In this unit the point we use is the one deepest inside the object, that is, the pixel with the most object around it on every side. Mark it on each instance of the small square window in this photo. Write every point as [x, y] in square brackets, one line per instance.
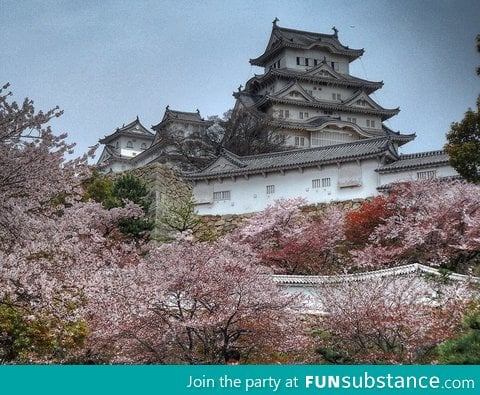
[270, 189]
[299, 141]
[426, 175]
[221, 195]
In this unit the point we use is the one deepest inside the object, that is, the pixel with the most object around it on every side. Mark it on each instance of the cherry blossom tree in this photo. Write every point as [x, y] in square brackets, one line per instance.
[434, 222]
[50, 241]
[360, 224]
[389, 320]
[188, 302]
[292, 241]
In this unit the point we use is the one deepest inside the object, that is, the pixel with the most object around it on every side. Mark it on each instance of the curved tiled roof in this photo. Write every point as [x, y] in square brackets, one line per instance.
[343, 80]
[133, 129]
[180, 116]
[416, 161]
[229, 164]
[383, 113]
[290, 38]
[390, 272]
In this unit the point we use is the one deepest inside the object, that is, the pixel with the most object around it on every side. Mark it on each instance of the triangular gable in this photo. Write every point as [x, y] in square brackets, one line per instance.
[222, 164]
[294, 91]
[104, 156]
[136, 127]
[324, 70]
[108, 154]
[362, 100]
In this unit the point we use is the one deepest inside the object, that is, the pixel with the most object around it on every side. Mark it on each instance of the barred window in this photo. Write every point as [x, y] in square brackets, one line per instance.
[321, 183]
[221, 195]
[270, 189]
[426, 175]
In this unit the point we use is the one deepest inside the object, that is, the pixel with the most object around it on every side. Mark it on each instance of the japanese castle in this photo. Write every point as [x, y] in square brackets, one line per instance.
[338, 145]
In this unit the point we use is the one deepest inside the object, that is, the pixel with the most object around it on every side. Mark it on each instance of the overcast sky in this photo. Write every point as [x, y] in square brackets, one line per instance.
[105, 62]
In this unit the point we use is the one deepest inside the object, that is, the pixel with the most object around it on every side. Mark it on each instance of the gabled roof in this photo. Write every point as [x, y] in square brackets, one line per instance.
[397, 136]
[416, 161]
[133, 129]
[179, 116]
[294, 86]
[109, 154]
[313, 75]
[345, 106]
[281, 38]
[229, 164]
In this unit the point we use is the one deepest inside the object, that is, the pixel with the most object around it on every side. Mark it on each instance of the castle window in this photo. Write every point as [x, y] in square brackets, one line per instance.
[321, 183]
[352, 120]
[426, 175]
[302, 61]
[129, 144]
[327, 137]
[336, 96]
[303, 115]
[370, 123]
[299, 141]
[270, 189]
[221, 195]
[144, 146]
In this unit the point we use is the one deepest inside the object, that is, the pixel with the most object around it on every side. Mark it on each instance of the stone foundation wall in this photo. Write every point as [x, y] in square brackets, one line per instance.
[168, 190]
[213, 226]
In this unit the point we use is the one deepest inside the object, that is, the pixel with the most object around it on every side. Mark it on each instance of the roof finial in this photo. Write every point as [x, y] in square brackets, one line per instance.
[137, 118]
[240, 87]
[335, 32]
[275, 21]
[198, 111]
[166, 108]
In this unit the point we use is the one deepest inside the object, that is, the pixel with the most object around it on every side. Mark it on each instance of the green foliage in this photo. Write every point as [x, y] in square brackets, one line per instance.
[465, 350]
[128, 187]
[27, 336]
[463, 145]
[99, 188]
[132, 188]
[115, 193]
